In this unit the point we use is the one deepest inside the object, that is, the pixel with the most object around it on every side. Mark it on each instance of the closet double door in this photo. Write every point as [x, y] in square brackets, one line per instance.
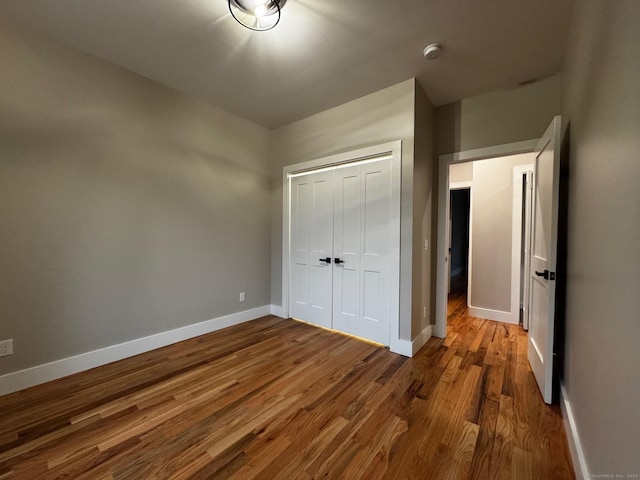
[340, 244]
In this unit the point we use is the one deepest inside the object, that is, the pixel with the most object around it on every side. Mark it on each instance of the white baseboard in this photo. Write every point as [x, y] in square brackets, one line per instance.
[402, 347]
[421, 339]
[497, 315]
[12, 382]
[278, 311]
[575, 447]
[409, 348]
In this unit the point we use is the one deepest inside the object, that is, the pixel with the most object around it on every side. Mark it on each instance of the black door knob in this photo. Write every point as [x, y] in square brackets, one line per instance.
[326, 260]
[338, 261]
[544, 274]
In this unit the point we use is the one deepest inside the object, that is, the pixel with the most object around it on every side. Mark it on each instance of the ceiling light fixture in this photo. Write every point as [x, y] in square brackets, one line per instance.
[257, 15]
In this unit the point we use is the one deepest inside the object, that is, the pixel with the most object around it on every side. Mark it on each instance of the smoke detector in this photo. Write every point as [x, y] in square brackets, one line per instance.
[432, 51]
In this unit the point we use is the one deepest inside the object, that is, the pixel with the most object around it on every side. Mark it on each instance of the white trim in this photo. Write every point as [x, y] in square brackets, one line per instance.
[375, 158]
[403, 347]
[422, 338]
[525, 146]
[408, 348]
[497, 315]
[516, 240]
[460, 185]
[12, 382]
[440, 329]
[575, 446]
[277, 311]
[342, 158]
[364, 154]
[528, 220]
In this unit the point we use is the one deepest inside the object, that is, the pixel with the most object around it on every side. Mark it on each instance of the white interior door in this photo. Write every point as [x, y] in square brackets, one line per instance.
[347, 249]
[312, 248]
[543, 258]
[362, 250]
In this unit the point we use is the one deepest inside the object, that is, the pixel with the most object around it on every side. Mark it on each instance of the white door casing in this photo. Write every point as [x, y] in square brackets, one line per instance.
[519, 218]
[544, 249]
[528, 219]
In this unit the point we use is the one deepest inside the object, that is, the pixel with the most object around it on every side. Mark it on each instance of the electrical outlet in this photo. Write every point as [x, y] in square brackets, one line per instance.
[424, 312]
[6, 348]
[426, 244]
[242, 296]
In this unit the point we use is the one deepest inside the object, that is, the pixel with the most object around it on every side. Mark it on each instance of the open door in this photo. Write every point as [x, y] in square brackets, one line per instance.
[544, 250]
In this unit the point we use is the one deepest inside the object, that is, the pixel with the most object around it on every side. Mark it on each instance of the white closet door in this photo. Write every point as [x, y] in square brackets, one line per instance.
[347, 249]
[362, 224]
[311, 248]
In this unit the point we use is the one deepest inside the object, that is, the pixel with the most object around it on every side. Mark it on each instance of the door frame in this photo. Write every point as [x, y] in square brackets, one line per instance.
[518, 220]
[526, 247]
[392, 150]
[526, 146]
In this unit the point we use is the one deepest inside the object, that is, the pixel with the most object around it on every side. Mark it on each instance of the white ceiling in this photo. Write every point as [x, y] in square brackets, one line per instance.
[322, 54]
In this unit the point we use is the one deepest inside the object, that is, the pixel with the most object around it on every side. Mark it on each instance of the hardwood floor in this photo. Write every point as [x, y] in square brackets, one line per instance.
[277, 399]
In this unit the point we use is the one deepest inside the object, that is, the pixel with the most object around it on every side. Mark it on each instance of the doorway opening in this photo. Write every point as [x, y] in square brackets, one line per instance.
[459, 222]
[504, 195]
[542, 253]
[493, 178]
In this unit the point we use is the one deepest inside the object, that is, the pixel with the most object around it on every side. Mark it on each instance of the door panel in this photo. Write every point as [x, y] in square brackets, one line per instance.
[347, 248]
[321, 242]
[300, 236]
[376, 268]
[362, 241]
[543, 258]
[538, 332]
[311, 241]
[371, 294]
[373, 213]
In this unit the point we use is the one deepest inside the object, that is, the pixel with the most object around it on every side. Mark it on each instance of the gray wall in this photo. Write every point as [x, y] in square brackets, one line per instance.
[499, 117]
[127, 208]
[601, 107]
[381, 117]
[492, 227]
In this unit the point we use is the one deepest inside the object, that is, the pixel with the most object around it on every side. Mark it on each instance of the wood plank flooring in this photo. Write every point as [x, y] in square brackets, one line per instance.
[277, 399]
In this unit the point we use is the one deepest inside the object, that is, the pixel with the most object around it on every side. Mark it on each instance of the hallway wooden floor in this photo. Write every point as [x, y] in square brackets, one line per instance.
[279, 399]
